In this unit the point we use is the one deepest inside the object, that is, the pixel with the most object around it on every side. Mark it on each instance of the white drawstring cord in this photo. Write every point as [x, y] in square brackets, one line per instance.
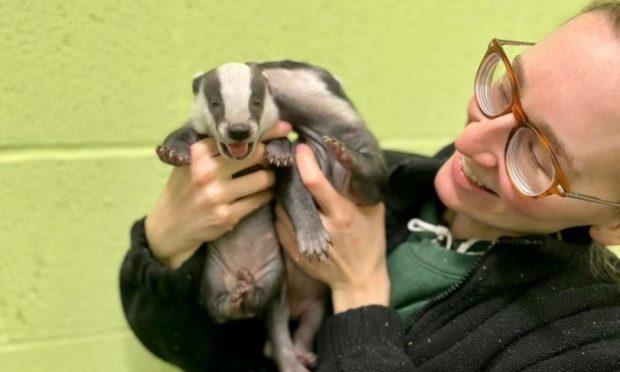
[442, 232]
[464, 246]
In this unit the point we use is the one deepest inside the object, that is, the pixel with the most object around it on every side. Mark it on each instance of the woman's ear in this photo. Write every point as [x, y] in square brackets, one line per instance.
[606, 234]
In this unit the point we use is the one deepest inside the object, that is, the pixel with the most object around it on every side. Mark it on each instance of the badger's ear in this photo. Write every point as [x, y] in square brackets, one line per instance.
[268, 85]
[265, 76]
[197, 78]
[257, 68]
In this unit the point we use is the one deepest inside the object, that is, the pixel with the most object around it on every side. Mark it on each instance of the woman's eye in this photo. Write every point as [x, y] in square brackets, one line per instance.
[505, 92]
[535, 155]
[501, 92]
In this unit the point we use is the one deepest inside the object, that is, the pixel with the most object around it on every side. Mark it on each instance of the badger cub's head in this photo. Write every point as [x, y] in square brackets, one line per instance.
[234, 106]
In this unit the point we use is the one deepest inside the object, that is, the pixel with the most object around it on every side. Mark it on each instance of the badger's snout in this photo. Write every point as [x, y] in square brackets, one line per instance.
[239, 132]
[236, 141]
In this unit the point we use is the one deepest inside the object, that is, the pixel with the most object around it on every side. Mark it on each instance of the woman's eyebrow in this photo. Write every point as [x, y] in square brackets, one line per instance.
[518, 67]
[544, 128]
[556, 145]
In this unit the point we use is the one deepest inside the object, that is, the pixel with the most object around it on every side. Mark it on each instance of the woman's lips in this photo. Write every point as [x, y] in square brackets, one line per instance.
[464, 173]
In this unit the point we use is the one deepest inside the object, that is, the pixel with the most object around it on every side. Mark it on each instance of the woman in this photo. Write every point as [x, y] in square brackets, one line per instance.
[490, 243]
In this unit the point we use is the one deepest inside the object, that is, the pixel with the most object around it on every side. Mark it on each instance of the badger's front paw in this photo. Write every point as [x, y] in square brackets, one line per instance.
[314, 243]
[173, 156]
[278, 153]
[279, 161]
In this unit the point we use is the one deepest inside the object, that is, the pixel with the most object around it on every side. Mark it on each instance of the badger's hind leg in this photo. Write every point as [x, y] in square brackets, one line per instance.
[303, 338]
[364, 174]
[284, 353]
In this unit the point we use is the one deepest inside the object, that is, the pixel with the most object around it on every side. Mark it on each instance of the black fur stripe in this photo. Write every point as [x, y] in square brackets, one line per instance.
[258, 87]
[212, 90]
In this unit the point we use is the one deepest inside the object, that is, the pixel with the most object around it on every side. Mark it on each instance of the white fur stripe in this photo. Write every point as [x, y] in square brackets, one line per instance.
[235, 80]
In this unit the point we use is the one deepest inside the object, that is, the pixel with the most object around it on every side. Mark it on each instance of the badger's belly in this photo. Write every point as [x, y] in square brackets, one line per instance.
[244, 268]
[252, 245]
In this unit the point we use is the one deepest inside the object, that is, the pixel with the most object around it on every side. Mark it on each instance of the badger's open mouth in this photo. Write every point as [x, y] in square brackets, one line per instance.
[237, 151]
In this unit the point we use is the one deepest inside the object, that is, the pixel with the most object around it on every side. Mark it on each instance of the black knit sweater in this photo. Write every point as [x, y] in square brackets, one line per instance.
[530, 303]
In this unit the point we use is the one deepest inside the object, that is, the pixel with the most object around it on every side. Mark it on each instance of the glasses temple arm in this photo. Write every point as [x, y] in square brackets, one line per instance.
[512, 42]
[589, 198]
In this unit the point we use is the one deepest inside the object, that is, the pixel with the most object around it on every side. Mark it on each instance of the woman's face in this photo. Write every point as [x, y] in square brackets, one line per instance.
[571, 86]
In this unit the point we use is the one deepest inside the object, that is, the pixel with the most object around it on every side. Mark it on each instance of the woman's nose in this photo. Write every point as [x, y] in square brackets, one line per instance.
[473, 110]
[483, 140]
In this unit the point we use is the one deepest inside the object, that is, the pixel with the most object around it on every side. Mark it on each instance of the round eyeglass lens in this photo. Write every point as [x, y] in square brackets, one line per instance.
[529, 163]
[493, 87]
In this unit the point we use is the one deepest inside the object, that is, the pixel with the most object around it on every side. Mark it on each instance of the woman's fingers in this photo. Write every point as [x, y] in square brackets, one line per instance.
[204, 148]
[279, 130]
[282, 216]
[249, 184]
[205, 160]
[230, 167]
[286, 233]
[249, 204]
[328, 199]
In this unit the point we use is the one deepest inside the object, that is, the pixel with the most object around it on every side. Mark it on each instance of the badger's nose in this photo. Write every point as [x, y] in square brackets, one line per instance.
[239, 132]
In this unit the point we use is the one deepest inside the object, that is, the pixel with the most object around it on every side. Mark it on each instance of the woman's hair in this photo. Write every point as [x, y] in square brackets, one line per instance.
[610, 7]
[603, 263]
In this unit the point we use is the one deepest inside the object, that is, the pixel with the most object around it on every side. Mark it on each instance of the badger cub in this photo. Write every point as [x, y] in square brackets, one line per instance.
[244, 271]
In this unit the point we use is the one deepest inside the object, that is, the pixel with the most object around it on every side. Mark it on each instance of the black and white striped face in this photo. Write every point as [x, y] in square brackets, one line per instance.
[233, 105]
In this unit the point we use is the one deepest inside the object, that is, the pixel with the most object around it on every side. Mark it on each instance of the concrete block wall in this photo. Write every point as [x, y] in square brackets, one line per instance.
[88, 88]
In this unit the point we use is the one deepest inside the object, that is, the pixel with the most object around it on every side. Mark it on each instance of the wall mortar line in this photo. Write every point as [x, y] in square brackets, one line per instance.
[75, 153]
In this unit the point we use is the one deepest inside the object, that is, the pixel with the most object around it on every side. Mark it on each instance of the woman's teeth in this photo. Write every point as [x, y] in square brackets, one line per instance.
[470, 174]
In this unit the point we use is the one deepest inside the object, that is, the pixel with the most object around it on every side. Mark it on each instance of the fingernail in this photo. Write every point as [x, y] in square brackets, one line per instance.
[287, 127]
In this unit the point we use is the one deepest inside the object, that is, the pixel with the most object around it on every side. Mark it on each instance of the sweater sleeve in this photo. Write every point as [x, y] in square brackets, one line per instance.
[140, 268]
[163, 309]
[369, 338]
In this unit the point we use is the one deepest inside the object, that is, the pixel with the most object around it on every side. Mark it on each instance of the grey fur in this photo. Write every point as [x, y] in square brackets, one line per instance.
[244, 270]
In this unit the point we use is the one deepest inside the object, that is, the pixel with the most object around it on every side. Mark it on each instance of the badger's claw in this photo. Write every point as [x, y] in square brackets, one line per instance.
[173, 156]
[314, 244]
[279, 161]
[339, 150]
[279, 153]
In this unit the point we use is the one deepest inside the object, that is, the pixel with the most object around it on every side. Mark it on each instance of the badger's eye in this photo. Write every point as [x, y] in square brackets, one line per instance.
[214, 104]
[257, 102]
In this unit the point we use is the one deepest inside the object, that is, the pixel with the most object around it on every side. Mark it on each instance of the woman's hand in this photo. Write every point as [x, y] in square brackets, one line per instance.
[356, 268]
[202, 201]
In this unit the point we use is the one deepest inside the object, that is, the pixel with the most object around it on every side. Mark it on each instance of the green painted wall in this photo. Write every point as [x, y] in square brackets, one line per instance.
[88, 88]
